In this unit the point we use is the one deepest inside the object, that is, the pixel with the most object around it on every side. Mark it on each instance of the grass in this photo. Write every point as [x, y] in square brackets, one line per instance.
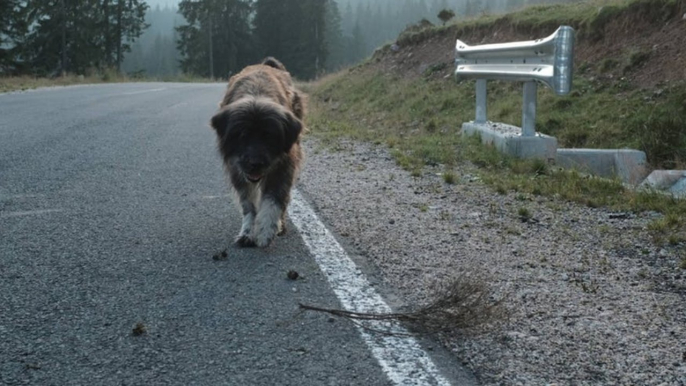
[25, 82]
[524, 214]
[449, 178]
[419, 120]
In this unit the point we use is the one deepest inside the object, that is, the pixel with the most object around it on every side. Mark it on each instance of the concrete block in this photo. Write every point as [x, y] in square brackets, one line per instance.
[508, 140]
[679, 189]
[672, 181]
[630, 166]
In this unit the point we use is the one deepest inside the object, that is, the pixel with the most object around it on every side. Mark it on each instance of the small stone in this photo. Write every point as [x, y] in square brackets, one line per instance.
[293, 275]
[139, 329]
[220, 256]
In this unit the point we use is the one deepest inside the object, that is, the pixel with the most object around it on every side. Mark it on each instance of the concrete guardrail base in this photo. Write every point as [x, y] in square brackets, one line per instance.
[508, 139]
[672, 181]
[630, 166]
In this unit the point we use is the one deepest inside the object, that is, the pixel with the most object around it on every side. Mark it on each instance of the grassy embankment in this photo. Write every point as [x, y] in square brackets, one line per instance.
[419, 118]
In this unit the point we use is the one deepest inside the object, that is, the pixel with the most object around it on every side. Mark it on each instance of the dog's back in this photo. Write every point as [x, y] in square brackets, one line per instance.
[268, 79]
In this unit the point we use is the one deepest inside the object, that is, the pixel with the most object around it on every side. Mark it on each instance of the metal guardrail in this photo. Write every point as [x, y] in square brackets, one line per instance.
[548, 61]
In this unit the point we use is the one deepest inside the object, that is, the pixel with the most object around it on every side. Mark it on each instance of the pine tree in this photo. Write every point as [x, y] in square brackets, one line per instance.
[217, 41]
[78, 36]
[348, 20]
[446, 15]
[335, 42]
[312, 38]
[13, 28]
[293, 31]
[358, 47]
[270, 29]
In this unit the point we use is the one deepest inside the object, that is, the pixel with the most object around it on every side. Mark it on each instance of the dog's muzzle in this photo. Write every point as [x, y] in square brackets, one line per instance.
[253, 177]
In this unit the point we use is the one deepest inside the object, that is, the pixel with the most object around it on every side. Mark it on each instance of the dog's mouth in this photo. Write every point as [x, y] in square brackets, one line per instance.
[254, 177]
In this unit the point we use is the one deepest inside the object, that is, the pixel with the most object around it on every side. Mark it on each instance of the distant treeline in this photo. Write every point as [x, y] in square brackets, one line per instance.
[46, 37]
[155, 52]
[211, 38]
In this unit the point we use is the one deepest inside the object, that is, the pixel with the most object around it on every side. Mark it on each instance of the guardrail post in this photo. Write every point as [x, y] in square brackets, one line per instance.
[529, 109]
[480, 101]
[547, 61]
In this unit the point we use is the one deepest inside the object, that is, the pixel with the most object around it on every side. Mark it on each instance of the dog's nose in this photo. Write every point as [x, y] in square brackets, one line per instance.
[256, 163]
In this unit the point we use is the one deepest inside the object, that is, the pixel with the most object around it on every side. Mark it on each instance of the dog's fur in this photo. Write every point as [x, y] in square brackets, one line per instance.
[258, 126]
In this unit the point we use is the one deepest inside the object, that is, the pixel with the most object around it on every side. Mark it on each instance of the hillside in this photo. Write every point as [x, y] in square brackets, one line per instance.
[629, 86]
[638, 43]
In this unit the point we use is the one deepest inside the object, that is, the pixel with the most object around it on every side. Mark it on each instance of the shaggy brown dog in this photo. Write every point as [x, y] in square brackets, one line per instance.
[258, 129]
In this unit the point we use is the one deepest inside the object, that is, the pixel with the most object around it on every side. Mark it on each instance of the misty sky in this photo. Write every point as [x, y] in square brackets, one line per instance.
[162, 3]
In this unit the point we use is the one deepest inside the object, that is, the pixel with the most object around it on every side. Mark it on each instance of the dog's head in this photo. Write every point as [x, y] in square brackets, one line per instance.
[253, 133]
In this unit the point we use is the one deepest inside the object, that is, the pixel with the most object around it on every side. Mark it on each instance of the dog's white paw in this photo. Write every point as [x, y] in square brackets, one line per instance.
[262, 241]
[265, 233]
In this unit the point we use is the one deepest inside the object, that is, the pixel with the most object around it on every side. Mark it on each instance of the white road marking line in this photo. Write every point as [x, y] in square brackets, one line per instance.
[216, 197]
[144, 91]
[29, 213]
[402, 359]
[7, 197]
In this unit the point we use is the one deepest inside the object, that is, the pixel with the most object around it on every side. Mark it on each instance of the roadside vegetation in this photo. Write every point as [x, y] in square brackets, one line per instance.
[419, 118]
[22, 83]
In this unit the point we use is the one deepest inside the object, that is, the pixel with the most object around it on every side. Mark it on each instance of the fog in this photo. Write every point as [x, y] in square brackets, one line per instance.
[360, 26]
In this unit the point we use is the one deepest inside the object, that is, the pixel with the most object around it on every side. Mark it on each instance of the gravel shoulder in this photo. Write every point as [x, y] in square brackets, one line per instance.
[591, 299]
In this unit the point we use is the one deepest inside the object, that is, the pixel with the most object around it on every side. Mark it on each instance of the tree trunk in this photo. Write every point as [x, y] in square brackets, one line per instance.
[209, 22]
[64, 38]
[108, 35]
[120, 11]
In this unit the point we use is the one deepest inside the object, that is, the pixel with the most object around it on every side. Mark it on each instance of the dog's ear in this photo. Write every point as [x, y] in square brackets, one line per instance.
[220, 121]
[291, 130]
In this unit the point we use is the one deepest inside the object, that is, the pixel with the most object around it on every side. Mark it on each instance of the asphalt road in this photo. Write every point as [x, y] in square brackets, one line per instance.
[112, 203]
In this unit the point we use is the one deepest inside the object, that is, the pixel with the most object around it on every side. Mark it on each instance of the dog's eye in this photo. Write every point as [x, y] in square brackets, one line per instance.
[235, 134]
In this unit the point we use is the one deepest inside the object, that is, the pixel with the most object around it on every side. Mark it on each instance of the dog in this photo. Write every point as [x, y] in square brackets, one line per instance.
[259, 127]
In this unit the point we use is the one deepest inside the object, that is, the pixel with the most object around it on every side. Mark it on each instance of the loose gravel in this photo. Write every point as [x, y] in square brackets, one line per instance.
[591, 298]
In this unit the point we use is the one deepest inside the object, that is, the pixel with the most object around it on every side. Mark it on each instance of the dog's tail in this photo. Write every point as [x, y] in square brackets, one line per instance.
[271, 62]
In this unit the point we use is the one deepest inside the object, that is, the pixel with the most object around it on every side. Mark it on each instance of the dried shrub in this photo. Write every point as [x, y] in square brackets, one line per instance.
[463, 304]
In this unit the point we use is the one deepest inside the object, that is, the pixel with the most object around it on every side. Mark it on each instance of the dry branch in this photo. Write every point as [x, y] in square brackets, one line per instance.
[463, 304]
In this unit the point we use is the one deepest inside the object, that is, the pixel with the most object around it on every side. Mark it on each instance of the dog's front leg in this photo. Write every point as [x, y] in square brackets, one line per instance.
[246, 196]
[244, 239]
[268, 219]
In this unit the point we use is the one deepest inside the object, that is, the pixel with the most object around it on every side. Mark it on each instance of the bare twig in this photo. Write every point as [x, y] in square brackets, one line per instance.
[464, 304]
